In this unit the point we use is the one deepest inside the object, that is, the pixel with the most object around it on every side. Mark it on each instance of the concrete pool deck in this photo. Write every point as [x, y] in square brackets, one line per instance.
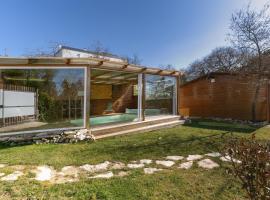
[25, 125]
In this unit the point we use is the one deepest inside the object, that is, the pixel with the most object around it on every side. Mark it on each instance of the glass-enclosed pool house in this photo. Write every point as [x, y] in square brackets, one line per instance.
[49, 94]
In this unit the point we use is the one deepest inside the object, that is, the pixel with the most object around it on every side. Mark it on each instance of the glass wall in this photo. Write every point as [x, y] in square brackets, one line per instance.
[160, 95]
[41, 98]
[114, 97]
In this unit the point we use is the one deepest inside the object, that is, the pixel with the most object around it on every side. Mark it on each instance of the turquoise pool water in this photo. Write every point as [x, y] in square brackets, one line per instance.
[106, 119]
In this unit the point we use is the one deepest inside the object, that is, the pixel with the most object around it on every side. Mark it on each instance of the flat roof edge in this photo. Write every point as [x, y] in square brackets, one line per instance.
[92, 62]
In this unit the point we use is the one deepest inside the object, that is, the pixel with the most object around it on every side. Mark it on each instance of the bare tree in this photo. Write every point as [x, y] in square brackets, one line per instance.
[221, 59]
[99, 48]
[167, 67]
[250, 33]
[48, 52]
[133, 59]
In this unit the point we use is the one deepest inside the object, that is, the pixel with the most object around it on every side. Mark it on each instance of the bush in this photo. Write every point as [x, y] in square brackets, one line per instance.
[254, 168]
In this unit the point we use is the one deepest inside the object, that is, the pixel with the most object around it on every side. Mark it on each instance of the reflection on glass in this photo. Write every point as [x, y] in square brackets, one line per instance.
[114, 97]
[159, 95]
[34, 99]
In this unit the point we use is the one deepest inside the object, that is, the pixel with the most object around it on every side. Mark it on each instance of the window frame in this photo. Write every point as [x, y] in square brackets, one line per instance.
[52, 129]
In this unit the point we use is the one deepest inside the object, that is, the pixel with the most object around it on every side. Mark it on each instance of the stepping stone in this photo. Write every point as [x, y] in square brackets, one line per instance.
[151, 170]
[69, 171]
[186, 165]
[175, 158]
[12, 177]
[166, 163]
[96, 168]
[146, 161]
[229, 159]
[213, 154]
[2, 165]
[122, 173]
[207, 164]
[104, 175]
[118, 165]
[44, 173]
[135, 166]
[194, 157]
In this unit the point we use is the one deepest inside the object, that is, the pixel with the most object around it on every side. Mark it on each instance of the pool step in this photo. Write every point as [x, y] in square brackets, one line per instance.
[143, 129]
[132, 125]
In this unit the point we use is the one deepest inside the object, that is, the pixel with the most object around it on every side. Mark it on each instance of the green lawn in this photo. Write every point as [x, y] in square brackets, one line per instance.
[200, 137]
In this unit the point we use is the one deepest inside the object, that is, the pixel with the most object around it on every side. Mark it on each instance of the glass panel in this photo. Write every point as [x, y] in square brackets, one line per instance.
[114, 97]
[34, 99]
[159, 95]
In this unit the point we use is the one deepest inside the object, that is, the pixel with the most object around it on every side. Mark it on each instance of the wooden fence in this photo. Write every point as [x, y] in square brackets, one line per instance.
[224, 96]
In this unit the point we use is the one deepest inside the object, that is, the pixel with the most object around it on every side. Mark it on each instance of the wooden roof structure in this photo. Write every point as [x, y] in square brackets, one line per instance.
[97, 63]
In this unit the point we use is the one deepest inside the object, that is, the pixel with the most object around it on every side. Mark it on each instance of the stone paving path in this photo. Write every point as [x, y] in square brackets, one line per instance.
[109, 169]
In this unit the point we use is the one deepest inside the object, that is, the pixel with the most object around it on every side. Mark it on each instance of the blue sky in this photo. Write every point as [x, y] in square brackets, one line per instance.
[159, 31]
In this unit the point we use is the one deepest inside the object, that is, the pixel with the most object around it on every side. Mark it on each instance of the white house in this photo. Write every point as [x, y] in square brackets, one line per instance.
[70, 52]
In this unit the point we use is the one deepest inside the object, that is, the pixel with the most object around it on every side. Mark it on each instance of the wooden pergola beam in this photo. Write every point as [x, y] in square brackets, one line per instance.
[80, 62]
[104, 73]
[158, 72]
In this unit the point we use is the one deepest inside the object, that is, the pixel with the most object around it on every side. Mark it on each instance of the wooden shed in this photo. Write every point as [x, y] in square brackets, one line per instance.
[224, 95]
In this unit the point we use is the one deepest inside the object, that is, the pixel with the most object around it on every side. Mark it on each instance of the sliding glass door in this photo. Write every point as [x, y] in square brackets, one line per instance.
[160, 95]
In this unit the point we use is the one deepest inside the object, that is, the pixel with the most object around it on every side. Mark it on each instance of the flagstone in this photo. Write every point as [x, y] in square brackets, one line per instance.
[104, 175]
[175, 158]
[207, 164]
[213, 154]
[44, 173]
[13, 176]
[151, 170]
[229, 159]
[146, 161]
[166, 163]
[194, 157]
[2, 165]
[186, 165]
[135, 166]
[118, 165]
[69, 171]
[96, 168]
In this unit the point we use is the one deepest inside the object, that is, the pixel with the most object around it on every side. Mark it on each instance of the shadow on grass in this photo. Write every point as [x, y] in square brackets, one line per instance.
[221, 125]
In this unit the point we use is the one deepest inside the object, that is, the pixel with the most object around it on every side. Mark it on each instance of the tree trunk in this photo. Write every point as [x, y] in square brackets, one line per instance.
[268, 101]
[254, 102]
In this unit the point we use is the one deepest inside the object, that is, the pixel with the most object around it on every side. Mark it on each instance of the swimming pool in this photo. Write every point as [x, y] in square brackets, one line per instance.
[107, 119]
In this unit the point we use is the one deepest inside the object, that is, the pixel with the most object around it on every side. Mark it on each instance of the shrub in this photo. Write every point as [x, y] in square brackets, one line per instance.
[254, 168]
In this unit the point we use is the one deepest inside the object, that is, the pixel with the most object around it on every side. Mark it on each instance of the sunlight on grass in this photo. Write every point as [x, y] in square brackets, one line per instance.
[199, 137]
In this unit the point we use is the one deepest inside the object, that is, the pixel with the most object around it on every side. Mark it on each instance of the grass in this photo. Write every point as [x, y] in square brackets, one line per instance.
[199, 137]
